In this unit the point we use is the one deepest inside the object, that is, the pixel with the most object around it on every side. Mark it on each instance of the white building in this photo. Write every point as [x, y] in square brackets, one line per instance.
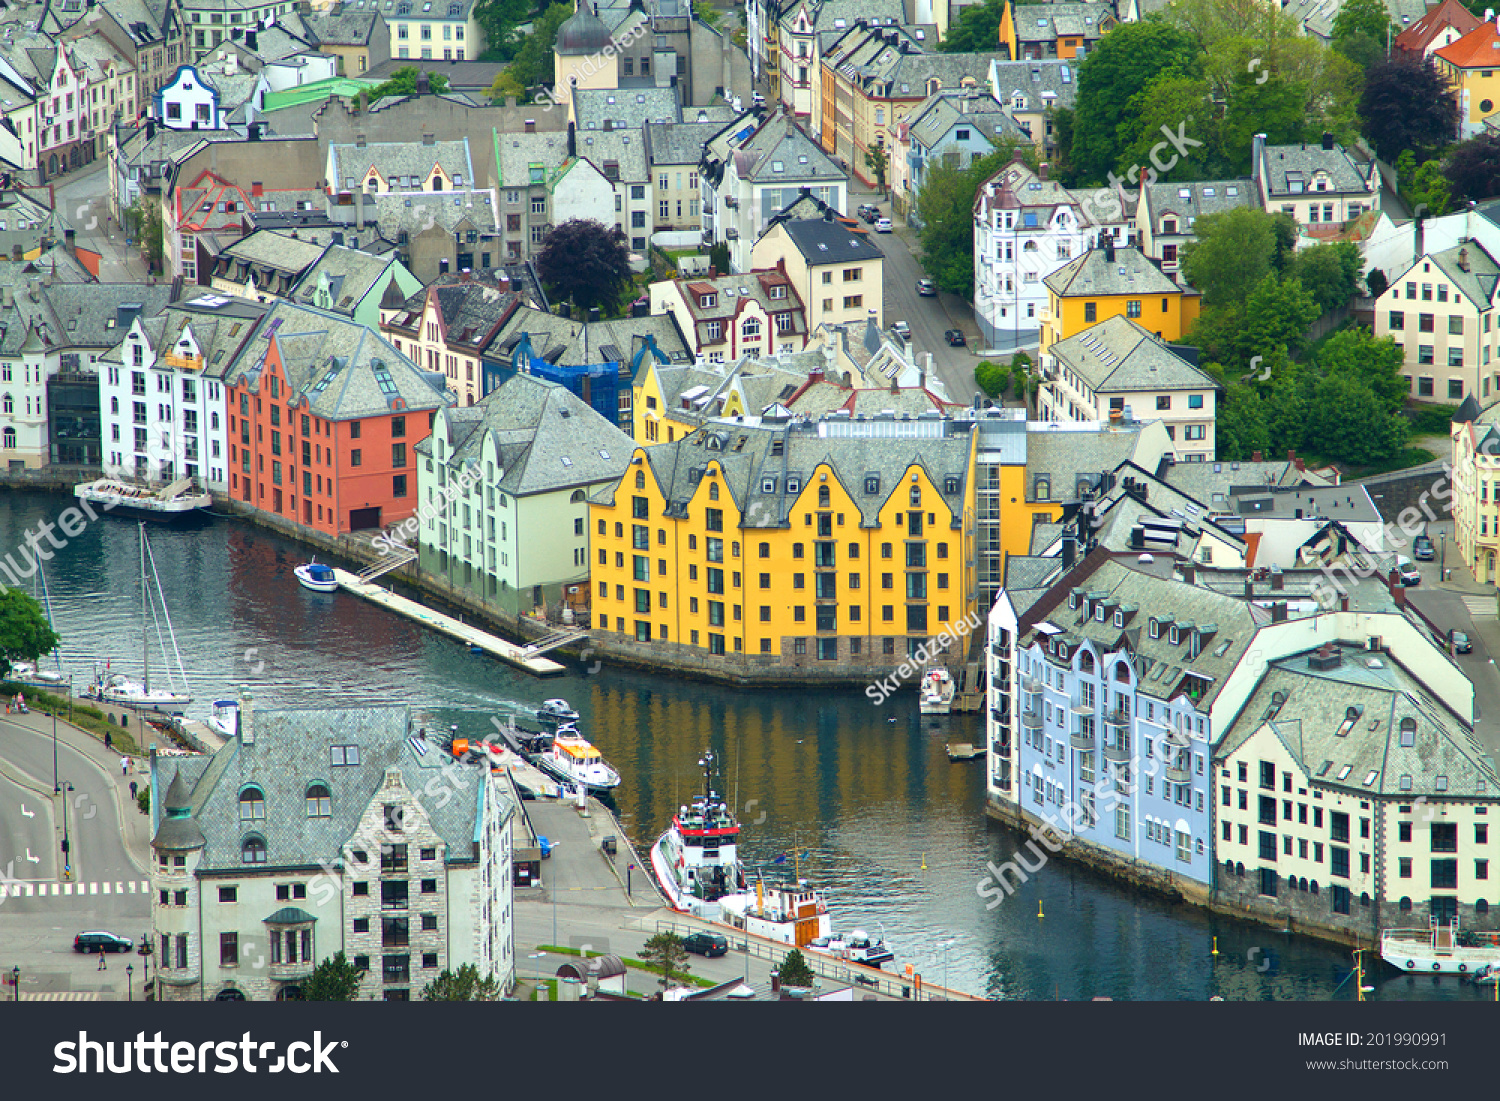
[316, 832]
[187, 102]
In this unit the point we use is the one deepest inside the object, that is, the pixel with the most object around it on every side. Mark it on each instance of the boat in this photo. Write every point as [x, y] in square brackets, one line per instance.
[937, 691]
[27, 673]
[556, 711]
[861, 949]
[224, 718]
[1440, 950]
[791, 913]
[572, 759]
[116, 688]
[696, 859]
[316, 576]
[964, 751]
[177, 500]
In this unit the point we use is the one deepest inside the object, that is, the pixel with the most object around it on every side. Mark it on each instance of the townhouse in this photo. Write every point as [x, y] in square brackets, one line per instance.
[674, 151]
[316, 832]
[832, 264]
[162, 400]
[730, 316]
[1442, 25]
[386, 166]
[1114, 282]
[620, 157]
[954, 128]
[541, 183]
[1031, 91]
[1321, 186]
[356, 38]
[1035, 32]
[437, 233]
[1166, 213]
[1116, 369]
[519, 541]
[446, 327]
[1026, 226]
[803, 29]
[208, 23]
[1468, 66]
[1440, 311]
[323, 414]
[785, 542]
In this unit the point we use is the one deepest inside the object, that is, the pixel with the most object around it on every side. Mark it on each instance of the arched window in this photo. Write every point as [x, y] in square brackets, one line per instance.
[252, 804]
[8, 439]
[823, 497]
[319, 801]
[230, 994]
[1315, 886]
[253, 850]
[1408, 731]
[1239, 870]
[1405, 905]
[1169, 225]
[640, 479]
[1085, 662]
[8, 404]
[750, 329]
[577, 498]
[1122, 672]
[1482, 906]
[713, 491]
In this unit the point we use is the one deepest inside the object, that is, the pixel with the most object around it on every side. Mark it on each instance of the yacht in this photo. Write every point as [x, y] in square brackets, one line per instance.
[556, 711]
[937, 691]
[181, 498]
[116, 688]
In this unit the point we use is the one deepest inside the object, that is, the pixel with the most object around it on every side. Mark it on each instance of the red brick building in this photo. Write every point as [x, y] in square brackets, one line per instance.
[324, 419]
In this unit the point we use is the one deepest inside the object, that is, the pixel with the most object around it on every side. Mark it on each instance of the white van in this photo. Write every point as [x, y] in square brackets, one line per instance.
[1408, 570]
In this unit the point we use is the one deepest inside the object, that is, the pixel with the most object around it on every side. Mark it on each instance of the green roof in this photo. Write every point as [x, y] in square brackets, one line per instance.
[317, 90]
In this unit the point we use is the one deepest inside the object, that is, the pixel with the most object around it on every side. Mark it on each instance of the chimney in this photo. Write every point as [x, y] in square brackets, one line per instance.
[150, 129]
[250, 41]
[1344, 602]
[463, 276]
[257, 189]
[531, 126]
[1463, 259]
[1398, 594]
[246, 723]
[593, 313]
[1042, 170]
[1189, 573]
[424, 84]
[1278, 579]
[1069, 552]
[429, 139]
[1249, 588]
[443, 265]
[1257, 456]
[1109, 250]
[1418, 248]
[359, 141]
[1327, 141]
[1278, 611]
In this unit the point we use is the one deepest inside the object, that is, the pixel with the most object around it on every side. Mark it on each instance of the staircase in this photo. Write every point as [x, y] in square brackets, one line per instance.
[554, 640]
[392, 562]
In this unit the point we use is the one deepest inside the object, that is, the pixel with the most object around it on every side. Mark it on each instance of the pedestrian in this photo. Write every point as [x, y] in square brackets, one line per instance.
[124, 766]
[132, 789]
[109, 741]
[102, 965]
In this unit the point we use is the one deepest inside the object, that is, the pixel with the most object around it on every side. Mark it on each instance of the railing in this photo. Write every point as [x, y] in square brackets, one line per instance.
[1177, 775]
[1117, 754]
[1081, 740]
[1032, 720]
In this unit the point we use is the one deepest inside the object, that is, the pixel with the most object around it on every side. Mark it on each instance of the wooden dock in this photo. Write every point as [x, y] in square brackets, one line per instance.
[522, 657]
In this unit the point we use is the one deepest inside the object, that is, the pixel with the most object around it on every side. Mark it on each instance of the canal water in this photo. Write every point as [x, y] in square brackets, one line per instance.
[862, 798]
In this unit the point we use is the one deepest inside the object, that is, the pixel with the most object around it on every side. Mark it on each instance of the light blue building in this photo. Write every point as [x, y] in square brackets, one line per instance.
[957, 127]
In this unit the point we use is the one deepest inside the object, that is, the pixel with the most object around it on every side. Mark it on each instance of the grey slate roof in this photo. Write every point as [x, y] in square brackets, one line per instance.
[548, 439]
[1118, 356]
[677, 142]
[932, 119]
[413, 212]
[350, 274]
[350, 27]
[780, 142]
[1213, 483]
[1047, 22]
[1281, 165]
[85, 315]
[518, 152]
[1034, 80]
[1128, 273]
[1469, 268]
[472, 310]
[622, 147]
[1197, 198]
[275, 260]
[292, 750]
[570, 343]
[628, 108]
[219, 336]
[1444, 761]
[401, 158]
[1065, 457]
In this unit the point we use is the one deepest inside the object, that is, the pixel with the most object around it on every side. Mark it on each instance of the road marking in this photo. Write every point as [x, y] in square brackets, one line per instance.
[120, 888]
[54, 888]
[106, 889]
[1481, 605]
[67, 888]
[132, 886]
[93, 888]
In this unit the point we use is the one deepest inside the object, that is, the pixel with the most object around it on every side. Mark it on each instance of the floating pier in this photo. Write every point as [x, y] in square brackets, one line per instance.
[522, 657]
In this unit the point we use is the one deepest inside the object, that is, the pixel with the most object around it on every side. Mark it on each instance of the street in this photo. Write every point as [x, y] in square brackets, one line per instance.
[82, 199]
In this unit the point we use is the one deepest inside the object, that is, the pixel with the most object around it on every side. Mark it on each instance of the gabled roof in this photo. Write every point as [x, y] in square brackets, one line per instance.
[832, 241]
[1421, 34]
[1284, 166]
[1047, 22]
[1118, 356]
[1479, 49]
[1114, 271]
[1196, 199]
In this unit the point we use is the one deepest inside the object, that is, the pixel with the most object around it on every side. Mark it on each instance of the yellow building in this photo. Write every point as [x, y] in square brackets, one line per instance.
[793, 544]
[1035, 32]
[1476, 488]
[1109, 282]
[1469, 66]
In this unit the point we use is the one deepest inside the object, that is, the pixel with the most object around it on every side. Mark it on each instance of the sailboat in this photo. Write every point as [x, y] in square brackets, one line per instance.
[119, 689]
[31, 673]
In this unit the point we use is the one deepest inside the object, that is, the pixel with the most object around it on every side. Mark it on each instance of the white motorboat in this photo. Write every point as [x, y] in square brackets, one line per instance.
[1437, 950]
[27, 673]
[316, 576]
[112, 687]
[556, 711]
[937, 691]
[224, 719]
[574, 760]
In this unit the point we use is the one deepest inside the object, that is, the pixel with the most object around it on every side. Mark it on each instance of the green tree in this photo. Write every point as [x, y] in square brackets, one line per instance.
[586, 262]
[1163, 103]
[464, 985]
[1286, 408]
[1375, 363]
[403, 82]
[1125, 61]
[1346, 421]
[706, 13]
[1277, 315]
[333, 980]
[531, 65]
[1232, 254]
[977, 29]
[25, 634]
[877, 160]
[1330, 273]
[665, 952]
[991, 378]
[1430, 188]
[1275, 107]
[1376, 282]
[945, 206]
[498, 19]
[718, 257]
[143, 222]
[1361, 30]
[1240, 424]
[1472, 168]
[1407, 104]
[143, 800]
[794, 970]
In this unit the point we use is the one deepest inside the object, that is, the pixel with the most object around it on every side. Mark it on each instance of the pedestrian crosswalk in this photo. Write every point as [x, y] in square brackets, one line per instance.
[62, 996]
[16, 889]
[1481, 605]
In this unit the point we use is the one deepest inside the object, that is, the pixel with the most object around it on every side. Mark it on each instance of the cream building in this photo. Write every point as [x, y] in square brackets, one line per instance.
[834, 264]
[1440, 310]
[1476, 488]
[315, 832]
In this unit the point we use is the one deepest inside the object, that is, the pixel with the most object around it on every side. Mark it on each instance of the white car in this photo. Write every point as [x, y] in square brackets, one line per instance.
[883, 225]
[902, 329]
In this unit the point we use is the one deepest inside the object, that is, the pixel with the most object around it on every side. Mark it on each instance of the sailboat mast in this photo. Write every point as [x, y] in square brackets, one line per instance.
[145, 635]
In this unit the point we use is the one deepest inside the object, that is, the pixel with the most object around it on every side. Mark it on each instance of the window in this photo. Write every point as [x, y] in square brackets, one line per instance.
[229, 949]
[253, 850]
[229, 894]
[252, 804]
[319, 802]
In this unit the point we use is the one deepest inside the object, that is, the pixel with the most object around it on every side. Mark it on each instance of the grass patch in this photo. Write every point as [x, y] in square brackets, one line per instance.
[696, 980]
[85, 717]
[551, 985]
[1404, 459]
[1428, 418]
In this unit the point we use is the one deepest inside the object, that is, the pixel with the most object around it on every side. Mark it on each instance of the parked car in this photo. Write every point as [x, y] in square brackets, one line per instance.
[926, 288]
[1423, 550]
[1408, 571]
[883, 225]
[95, 942]
[705, 944]
[955, 338]
[1460, 642]
[902, 329]
[869, 212]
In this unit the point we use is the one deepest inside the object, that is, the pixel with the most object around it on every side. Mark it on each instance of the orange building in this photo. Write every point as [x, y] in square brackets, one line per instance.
[324, 419]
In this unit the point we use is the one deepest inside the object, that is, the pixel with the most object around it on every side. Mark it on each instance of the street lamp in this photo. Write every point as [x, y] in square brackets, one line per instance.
[15, 981]
[129, 977]
[67, 859]
[1442, 555]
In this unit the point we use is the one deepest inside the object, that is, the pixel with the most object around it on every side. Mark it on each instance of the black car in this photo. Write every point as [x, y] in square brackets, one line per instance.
[95, 942]
[1461, 643]
[705, 944]
[955, 338]
[1422, 549]
[869, 212]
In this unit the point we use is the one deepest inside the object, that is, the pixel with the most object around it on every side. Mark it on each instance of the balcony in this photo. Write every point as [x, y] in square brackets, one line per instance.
[1177, 737]
[1030, 684]
[185, 362]
[1176, 775]
[1000, 714]
[1032, 720]
[1116, 717]
[1117, 754]
[1081, 739]
[1079, 707]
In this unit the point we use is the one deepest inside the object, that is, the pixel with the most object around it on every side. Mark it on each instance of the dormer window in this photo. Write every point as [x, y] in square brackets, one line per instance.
[319, 801]
[252, 804]
[253, 850]
[1099, 612]
[1173, 636]
[1073, 603]
[1119, 618]
[1153, 629]
[708, 301]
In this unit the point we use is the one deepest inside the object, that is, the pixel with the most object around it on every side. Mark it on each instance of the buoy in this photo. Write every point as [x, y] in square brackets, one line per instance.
[1039, 913]
[1216, 947]
[924, 862]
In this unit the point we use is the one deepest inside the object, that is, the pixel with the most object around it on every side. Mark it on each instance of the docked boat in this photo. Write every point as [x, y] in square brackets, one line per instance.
[556, 711]
[27, 673]
[179, 499]
[937, 691]
[964, 751]
[1439, 950]
[316, 576]
[117, 688]
[224, 718]
[572, 759]
[792, 913]
[696, 859]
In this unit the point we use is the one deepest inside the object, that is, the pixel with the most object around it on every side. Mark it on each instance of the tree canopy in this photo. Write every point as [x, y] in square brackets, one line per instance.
[794, 970]
[531, 59]
[403, 82]
[586, 262]
[499, 20]
[664, 952]
[1472, 169]
[1235, 250]
[1361, 29]
[1329, 272]
[25, 634]
[977, 29]
[333, 980]
[945, 206]
[463, 985]
[1407, 104]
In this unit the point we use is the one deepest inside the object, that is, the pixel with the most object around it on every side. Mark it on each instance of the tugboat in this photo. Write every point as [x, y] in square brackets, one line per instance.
[937, 691]
[696, 860]
[792, 913]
